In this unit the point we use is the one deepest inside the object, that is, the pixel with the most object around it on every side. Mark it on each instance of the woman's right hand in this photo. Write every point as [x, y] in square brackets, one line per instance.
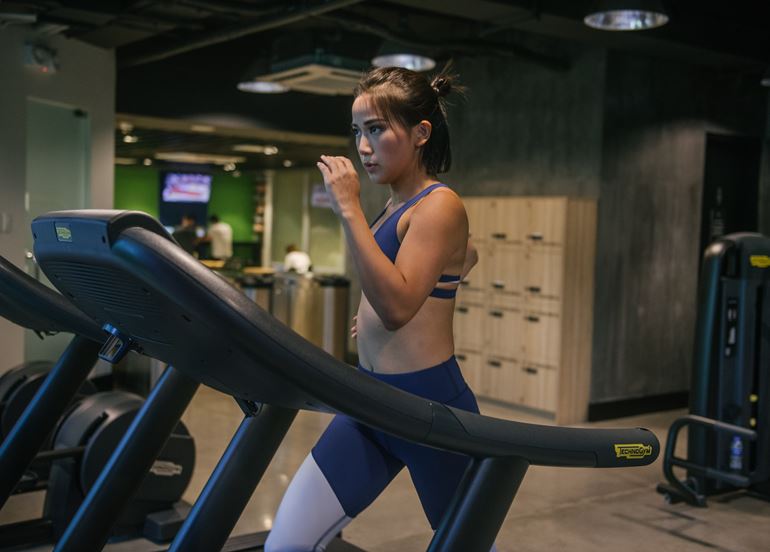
[354, 329]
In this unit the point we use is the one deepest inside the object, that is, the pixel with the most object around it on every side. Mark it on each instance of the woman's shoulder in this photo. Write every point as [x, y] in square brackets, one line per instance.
[442, 203]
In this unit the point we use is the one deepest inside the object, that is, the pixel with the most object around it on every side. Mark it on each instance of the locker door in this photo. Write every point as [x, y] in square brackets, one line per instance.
[471, 364]
[546, 221]
[505, 276]
[504, 331]
[541, 338]
[469, 321]
[543, 273]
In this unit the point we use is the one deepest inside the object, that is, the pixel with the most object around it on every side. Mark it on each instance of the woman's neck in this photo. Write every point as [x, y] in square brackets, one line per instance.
[404, 189]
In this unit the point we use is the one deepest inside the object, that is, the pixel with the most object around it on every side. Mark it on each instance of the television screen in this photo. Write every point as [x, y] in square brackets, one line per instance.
[186, 187]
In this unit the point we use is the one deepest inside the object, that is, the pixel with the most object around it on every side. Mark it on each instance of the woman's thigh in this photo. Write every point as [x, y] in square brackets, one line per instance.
[345, 472]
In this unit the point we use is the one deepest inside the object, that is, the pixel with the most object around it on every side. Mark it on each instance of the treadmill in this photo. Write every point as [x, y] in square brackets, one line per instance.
[123, 270]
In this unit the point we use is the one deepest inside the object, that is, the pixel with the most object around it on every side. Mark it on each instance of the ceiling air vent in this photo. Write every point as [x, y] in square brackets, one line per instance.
[319, 73]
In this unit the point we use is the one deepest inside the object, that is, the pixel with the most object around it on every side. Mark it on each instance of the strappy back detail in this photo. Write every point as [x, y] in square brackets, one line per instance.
[386, 237]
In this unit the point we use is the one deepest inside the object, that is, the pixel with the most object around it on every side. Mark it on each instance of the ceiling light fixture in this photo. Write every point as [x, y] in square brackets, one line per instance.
[262, 87]
[130, 139]
[202, 158]
[202, 128]
[256, 148]
[393, 54]
[627, 15]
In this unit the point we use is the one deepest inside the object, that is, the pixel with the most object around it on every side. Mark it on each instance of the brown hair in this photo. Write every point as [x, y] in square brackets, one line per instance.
[407, 97]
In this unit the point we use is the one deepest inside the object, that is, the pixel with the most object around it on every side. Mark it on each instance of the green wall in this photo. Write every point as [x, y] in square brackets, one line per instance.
[232, 198]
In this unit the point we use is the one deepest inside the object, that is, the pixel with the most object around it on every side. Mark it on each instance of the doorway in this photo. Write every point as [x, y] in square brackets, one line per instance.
[730, 187]
[57, 166]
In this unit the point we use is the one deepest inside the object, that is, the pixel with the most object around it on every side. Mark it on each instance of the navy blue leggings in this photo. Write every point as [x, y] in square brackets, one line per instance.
[359, 462]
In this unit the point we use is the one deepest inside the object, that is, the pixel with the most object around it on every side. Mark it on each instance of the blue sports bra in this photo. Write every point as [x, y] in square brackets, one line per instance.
[386, 237]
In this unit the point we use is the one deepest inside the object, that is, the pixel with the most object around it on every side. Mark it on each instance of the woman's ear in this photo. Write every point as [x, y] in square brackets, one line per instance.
[421, 133]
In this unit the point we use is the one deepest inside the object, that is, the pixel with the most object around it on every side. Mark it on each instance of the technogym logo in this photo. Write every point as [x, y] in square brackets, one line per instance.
[759, 261]
[633, 451]
[63, 232]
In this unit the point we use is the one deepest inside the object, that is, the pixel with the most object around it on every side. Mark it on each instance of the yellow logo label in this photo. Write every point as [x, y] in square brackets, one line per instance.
[63, 233]
[760, 261]
[633, 451]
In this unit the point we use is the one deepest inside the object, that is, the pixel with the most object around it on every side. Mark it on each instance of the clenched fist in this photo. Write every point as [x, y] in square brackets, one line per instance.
[341, 182]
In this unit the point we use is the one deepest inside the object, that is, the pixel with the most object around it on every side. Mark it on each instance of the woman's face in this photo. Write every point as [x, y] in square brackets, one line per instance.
[387, 150]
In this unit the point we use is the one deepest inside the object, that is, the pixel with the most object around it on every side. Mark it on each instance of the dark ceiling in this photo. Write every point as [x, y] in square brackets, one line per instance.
[182, 59]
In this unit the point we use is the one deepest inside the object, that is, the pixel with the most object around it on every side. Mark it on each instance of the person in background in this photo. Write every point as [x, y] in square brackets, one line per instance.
[296, 260]
[185, 234]
[220, 236]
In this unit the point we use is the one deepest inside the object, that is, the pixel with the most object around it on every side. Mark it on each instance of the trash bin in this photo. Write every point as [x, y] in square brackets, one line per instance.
[335, 295]
[295, 303]
[258, 288]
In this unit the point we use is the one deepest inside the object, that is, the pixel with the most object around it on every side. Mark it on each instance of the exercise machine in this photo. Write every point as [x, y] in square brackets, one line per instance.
[124, 271]
[728, 445]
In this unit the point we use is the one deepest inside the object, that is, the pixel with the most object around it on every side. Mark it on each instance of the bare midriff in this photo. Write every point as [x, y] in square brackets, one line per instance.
[425, 341]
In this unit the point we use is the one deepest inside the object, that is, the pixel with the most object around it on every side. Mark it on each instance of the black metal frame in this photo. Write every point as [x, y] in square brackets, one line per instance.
[233, 481]
[42, 414]
[688, 490]
[128, 464]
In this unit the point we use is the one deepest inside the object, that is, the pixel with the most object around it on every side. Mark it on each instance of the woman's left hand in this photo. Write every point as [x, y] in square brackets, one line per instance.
[341, 182]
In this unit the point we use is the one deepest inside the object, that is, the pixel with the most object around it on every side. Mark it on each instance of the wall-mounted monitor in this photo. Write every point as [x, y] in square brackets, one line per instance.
[184, 193]
[182, 187]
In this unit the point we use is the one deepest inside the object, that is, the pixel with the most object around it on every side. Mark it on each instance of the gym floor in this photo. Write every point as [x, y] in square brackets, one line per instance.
[555, 508]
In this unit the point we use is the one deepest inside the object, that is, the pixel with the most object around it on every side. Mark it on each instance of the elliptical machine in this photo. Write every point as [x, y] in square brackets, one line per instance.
[729, 422]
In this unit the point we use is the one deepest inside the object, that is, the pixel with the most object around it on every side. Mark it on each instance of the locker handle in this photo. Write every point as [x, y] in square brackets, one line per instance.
[533, 289]
[499, 235]
[498, 285]
[495, 363]
[462, 309]
[530, 370]
[460, 357]
[532, 318]
[465, 282]
[496, 314]
[536, 236]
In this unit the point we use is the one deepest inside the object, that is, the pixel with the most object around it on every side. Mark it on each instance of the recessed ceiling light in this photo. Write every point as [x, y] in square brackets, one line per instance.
[125, 161]
[256, 148]
[287, 163]
[205, 158]
[627, 15]
[249, 148]
[147, 162]
[202, 128]
[130, 139]
[262, 87]
[413, 62]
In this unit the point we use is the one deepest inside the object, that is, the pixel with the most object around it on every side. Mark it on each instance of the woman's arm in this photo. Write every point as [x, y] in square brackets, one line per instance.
[396, 291]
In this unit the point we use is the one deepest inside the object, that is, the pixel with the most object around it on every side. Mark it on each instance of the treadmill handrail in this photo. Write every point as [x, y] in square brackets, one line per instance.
[28, 303]
[151, 258]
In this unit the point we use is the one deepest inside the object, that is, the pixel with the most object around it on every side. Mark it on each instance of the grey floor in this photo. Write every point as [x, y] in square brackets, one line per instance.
[555, 509]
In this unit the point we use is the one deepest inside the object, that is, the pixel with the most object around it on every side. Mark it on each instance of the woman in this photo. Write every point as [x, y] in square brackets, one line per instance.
[410, 262]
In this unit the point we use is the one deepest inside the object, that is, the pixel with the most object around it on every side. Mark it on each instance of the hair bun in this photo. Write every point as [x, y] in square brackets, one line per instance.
[442, 85]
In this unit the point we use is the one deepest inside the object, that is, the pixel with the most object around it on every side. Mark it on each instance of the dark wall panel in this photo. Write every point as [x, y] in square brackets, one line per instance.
[656, 117]
[527, 130]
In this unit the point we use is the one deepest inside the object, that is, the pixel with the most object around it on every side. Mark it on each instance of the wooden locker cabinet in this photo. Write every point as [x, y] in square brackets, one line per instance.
[545, 221]
[471, 364]
[468, 328]
[527, 314]
[503, 330]
[501, 374]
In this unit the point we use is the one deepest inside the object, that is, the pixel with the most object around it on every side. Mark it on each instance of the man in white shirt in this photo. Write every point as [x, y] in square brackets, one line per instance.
[296, 260]
[220, 235]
